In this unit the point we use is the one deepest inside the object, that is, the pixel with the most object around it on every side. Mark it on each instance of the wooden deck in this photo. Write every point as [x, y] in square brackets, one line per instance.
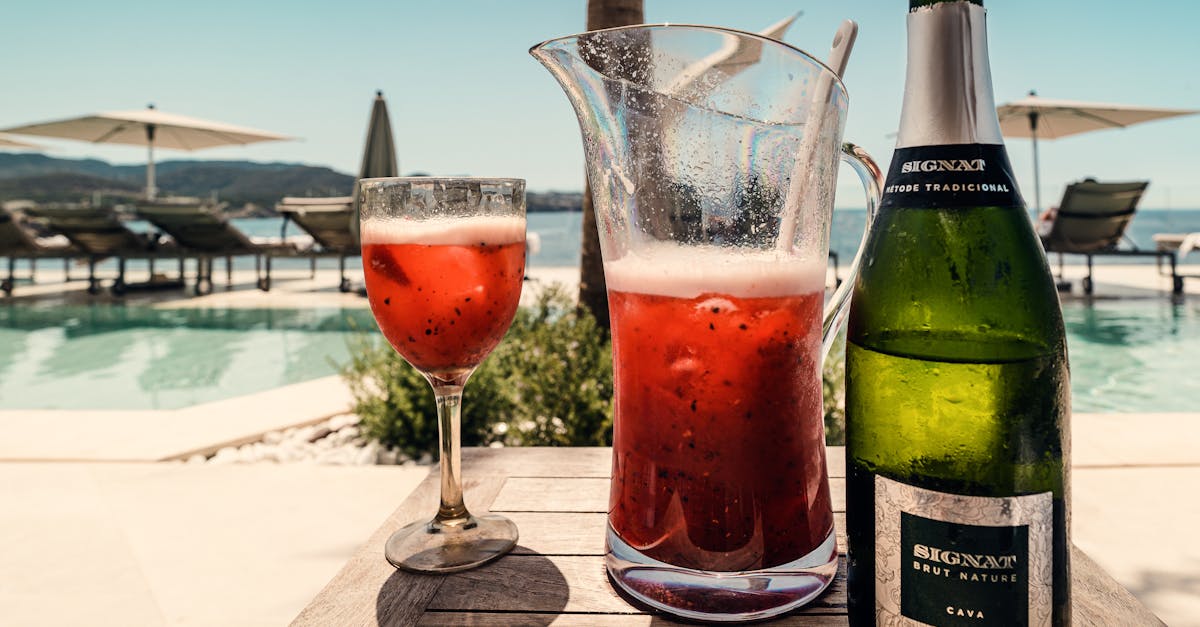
[558, 498]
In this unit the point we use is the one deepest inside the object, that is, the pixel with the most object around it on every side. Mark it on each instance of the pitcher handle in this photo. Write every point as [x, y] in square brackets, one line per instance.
[872, 179]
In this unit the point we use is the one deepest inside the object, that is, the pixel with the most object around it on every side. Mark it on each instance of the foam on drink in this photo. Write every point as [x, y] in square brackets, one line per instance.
[469, 231]
[668, 269]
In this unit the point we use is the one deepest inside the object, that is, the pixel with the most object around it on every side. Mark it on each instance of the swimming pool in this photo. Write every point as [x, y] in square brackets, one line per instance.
[124, 357]
[1134, 355]
[1129, 355]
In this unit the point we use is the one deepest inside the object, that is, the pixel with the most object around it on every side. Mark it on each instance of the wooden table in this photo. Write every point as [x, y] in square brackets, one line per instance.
[558, 498]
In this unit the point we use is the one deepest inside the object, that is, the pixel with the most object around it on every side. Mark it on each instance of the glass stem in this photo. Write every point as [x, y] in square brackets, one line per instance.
[449, 410]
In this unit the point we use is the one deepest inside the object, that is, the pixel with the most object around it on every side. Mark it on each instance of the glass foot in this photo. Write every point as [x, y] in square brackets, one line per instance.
[447, 547]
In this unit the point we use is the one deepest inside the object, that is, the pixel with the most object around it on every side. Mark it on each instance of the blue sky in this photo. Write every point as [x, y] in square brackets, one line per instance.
[466, 98]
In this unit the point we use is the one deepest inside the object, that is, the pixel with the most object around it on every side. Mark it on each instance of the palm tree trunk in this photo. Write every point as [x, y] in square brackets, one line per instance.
[593, 294]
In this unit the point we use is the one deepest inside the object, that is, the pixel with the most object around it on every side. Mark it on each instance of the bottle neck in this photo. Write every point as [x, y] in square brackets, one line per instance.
[913, 5]
[948, 86]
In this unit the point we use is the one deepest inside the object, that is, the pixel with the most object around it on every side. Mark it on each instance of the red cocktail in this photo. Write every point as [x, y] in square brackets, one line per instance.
[444, 260]
[444, 303]
[718, 448]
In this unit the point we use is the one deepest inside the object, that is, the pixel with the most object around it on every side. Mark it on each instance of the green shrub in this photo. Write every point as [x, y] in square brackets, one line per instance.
[548, 383]
[833, 383]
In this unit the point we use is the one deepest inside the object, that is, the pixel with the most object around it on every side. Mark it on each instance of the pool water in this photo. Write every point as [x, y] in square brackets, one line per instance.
[1134, 355]
[1126, 356]
[123, 357]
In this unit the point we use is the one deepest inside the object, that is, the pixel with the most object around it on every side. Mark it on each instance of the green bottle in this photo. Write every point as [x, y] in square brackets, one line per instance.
[957, 385]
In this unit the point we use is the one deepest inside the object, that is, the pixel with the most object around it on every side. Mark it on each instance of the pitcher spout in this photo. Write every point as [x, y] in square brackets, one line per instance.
[692, 133]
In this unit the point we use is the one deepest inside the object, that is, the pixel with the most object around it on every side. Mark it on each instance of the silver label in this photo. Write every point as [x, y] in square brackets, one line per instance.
[964, 559]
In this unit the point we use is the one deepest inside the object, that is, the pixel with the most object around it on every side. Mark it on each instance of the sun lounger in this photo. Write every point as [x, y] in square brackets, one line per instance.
[327, 220]
[98, 234]
[18, 240]
[1180, 243]
[1091, 220]
[205, 234]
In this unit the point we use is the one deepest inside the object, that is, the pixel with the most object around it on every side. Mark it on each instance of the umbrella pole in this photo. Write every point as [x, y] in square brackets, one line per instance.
[151, 192]
[1037, 177]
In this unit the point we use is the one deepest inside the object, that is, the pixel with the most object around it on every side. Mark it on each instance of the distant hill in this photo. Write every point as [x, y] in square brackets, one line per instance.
[249, 187]
[553, 201]
[60, 186]
[239, 183]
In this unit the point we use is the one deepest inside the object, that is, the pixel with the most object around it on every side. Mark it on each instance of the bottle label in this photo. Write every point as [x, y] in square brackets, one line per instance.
[948, 559]
[952, 176]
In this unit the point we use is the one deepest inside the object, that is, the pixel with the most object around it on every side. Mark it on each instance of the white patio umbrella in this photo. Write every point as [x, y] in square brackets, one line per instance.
[151, 128]
[732, 58]
[8, 142]
[1037, 118]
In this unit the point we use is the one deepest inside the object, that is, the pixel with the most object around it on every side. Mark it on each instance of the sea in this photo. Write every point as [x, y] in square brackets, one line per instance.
[558, 235]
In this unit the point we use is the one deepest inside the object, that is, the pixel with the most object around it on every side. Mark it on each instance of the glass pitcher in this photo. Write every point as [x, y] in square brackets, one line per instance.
[712, 156]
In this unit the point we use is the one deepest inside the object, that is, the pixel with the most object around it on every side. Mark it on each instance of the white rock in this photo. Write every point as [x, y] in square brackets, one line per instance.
[272, 437]
[367, 455]
[197, 459]
[345, 436]
[227, 455]
[426, 459]
[387, 457]
[342, 421]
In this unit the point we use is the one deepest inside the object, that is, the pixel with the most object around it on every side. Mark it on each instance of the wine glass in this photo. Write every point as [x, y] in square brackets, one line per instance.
[444, 260]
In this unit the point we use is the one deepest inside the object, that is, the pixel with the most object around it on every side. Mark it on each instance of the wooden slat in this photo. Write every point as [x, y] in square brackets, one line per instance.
[565, 583]
[530, 494]
[585, 461]
[835, 460]
[541, 461]
[837, 493]
[558, 533]
[533, 583]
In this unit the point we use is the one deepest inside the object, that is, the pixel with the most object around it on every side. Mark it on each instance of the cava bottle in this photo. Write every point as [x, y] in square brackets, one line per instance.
[957, 387]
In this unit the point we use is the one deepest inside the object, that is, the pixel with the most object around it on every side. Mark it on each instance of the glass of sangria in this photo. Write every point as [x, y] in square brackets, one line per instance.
[444, 260]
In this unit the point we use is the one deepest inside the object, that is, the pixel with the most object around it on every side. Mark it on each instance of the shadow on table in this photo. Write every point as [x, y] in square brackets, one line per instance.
[1161, 590]
[522, 583]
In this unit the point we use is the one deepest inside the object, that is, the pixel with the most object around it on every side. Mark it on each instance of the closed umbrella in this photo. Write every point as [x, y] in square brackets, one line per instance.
[379, 155]
[151, 128]
[1037, 118]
